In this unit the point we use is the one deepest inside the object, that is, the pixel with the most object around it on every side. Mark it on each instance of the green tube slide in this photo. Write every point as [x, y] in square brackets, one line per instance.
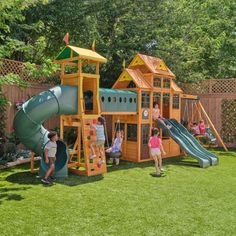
[184, 143]
[60, 100]
[28, 123]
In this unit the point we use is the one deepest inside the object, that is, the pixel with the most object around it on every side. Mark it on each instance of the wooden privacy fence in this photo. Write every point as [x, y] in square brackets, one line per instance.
[218, 98]
[17, 95]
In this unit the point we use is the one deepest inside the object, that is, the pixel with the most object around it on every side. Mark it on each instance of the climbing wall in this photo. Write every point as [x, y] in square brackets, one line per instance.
[98, 164]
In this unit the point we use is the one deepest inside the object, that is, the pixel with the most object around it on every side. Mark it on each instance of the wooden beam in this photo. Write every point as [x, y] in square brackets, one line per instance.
[68, 76]
[71, 59]
[72, 124]
[188, 96]
[118, 113]
[88, 75]
[212, 126]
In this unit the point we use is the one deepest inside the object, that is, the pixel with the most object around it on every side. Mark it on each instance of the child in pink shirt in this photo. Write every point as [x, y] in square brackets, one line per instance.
[156, 148]
[202, 127]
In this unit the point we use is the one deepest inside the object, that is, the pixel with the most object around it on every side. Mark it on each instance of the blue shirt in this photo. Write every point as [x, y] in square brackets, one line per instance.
[100, 132]
[117, 145]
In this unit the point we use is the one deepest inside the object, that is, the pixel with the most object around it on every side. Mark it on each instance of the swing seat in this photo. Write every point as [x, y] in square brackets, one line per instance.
[212, 138]
[114, 154]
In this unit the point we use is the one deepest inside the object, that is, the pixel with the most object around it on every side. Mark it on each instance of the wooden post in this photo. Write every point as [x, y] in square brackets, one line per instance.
[212, 126]
[79, 144]
[161, 109]
[62, 127]
[139, 126]
[97, 68]
[32, 163]
[192, 116]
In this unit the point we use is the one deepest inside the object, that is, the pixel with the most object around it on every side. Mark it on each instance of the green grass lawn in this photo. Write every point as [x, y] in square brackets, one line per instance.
[126, 201]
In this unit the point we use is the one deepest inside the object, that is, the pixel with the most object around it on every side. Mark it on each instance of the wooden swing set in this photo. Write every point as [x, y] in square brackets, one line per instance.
[198, 113]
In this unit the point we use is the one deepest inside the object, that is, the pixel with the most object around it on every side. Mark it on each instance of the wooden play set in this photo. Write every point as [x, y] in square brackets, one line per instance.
[146, 80]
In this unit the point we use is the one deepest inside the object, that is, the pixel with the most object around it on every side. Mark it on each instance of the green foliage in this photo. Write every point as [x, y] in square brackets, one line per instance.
[3, 107]
[11, 79]
[197, 39]
[44, 70]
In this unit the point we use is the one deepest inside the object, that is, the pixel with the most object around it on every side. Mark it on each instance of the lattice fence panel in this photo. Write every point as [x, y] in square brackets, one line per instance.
[196, 88]
[219, 86]
[223, 86]
[228, 117]
[16, 67]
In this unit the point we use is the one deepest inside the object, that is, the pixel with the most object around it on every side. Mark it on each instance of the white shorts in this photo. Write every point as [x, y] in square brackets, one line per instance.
[155, 152]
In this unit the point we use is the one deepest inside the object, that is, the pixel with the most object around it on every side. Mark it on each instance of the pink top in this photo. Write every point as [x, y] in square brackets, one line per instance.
[155, 142]
[155, 113]
[202, 128]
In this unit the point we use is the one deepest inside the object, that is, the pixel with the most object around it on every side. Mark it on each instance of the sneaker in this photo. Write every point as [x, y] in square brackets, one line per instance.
[45, 181]
[117, 161]
[156, 174]
[52, 178]
[92, 156]
[100, 163]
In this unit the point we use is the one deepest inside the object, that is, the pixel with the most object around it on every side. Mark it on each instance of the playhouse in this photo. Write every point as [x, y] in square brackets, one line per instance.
[79, 101]
[152, 81]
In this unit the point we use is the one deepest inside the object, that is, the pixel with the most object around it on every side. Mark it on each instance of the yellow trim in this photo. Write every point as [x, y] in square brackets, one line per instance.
[161, 66]
[125, 77]
[137, 61]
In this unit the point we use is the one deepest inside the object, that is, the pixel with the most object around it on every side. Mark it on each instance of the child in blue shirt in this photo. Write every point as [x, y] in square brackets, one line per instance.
[100, 141]
[116, 147]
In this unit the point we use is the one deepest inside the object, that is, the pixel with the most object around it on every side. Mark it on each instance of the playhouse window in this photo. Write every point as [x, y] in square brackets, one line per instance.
[166, 99]
[157, 82]
[157, 98]
[131, 85]
[145, 134]
[166, 83]
[132, 132]
[145, 99]
[176, 101]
